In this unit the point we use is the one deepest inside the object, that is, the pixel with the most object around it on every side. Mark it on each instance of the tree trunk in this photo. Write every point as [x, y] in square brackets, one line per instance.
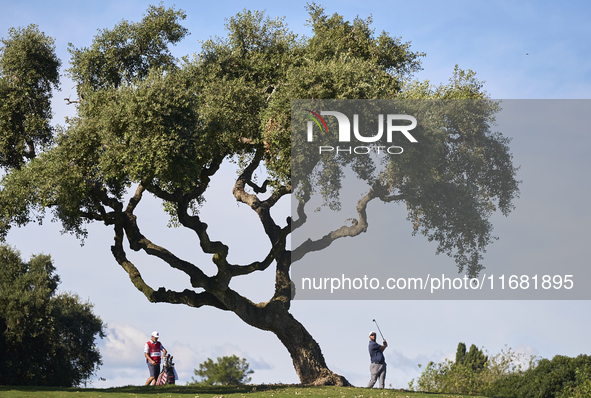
[305, 352]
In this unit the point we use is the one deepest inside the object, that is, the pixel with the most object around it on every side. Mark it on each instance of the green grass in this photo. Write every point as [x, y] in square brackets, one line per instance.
[178, 391]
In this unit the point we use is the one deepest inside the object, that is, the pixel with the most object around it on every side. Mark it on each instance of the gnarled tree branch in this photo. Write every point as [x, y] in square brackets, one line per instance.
[358, 226]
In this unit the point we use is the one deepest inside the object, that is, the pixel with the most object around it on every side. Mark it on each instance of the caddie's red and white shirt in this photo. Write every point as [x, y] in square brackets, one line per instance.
[154, 350]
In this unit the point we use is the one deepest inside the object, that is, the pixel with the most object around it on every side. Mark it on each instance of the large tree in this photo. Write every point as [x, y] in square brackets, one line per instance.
[148, 124]
[46, 338]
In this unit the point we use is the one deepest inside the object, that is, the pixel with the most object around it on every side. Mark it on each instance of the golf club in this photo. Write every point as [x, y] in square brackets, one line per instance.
[379, 330]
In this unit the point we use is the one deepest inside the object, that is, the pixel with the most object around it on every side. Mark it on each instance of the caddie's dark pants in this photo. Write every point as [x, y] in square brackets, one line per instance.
[378, 370]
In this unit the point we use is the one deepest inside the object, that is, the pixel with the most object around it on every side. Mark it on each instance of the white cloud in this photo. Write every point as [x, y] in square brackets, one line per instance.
[123, 358]
[124, 345]
[525, 352]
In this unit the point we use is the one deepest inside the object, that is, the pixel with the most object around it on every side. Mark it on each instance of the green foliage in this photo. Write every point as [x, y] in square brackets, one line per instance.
[474, 360]
[129, 51]
[335, 38]
[471, 375]
[556, 378]
[582, 384]
[508, 374]
[46, 339]
[227, 370]
[463, 84]
[29, 70]
[146, 118]
[460, 353]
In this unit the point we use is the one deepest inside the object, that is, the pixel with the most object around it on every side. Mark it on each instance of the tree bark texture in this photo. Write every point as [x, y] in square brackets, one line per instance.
[306, 355]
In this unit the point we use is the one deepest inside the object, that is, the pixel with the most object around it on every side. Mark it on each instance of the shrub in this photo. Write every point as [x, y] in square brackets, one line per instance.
[582, 389]
[225, 371]
[472, 376]
[561, 377]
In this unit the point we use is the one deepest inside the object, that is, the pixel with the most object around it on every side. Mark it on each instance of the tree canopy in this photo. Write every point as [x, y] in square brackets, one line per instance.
[29, 70]
[149, 124]
[46, 338]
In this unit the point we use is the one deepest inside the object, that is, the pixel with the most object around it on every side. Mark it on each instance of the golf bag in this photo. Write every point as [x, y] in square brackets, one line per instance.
[167, 375]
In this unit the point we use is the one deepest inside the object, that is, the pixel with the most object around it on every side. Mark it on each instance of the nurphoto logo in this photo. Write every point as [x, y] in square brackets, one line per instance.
[344, 133]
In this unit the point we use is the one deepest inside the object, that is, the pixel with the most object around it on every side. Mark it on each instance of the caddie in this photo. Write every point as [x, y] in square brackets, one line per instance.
[154, 351]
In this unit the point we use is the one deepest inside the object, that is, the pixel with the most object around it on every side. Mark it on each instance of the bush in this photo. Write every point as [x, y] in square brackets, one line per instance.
[225, 371]
[582, 389]
[561, 377]
[507, 374]
[477, 375]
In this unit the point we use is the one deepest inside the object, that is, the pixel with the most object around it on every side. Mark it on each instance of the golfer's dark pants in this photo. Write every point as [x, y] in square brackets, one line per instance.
[378, 371]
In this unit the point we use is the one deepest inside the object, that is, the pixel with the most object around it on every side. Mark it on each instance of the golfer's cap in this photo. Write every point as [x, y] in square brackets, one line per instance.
[372, 333]
[155, 334]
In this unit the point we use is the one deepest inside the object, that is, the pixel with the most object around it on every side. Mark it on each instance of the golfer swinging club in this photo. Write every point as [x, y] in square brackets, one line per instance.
[378, 361]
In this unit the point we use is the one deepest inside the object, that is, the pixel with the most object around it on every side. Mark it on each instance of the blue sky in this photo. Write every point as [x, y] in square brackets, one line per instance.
[523, 50]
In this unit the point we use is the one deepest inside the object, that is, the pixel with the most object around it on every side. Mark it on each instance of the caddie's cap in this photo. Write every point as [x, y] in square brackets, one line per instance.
[155, 334]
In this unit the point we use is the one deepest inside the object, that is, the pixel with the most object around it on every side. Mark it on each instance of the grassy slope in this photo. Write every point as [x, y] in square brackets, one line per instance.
[173, 391]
